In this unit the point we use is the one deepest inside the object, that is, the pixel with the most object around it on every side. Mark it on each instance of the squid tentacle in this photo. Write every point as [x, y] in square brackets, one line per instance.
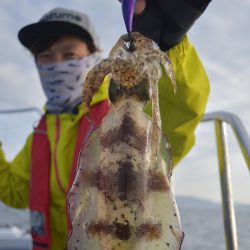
[94, 80]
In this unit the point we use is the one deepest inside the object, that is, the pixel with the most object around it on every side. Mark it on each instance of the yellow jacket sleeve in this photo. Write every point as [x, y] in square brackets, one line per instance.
[182, 112]
[14, 177]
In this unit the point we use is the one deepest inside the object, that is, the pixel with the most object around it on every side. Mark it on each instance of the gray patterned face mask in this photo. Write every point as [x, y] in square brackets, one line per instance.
[62, 82]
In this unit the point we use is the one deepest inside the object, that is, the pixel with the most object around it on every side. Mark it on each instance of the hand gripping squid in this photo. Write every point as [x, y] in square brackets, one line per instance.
[121, 197]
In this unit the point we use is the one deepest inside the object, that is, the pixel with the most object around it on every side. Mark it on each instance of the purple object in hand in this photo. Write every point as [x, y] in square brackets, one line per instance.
[128, 7]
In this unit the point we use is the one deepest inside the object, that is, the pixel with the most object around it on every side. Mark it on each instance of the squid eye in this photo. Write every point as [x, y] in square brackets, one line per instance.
[114, 91]
[141, 91]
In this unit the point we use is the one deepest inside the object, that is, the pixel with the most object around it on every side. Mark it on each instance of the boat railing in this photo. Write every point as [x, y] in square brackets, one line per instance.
[221, 119]
[21, 110]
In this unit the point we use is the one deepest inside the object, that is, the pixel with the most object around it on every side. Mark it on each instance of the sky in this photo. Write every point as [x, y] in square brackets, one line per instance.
[222, 39]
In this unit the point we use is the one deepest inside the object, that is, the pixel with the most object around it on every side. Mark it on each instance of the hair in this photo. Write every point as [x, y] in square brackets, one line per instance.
[48, 41]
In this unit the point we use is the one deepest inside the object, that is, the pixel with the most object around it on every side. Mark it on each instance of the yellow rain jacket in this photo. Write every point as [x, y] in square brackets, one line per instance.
[180, 114]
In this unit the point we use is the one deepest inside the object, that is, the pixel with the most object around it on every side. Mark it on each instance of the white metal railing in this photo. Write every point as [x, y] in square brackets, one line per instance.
[21, 110]
[221, 119]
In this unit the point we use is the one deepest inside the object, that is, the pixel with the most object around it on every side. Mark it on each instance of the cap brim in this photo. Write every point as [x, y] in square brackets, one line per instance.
[30, 34]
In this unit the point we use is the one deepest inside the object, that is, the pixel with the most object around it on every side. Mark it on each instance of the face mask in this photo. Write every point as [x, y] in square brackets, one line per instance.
[62, 82]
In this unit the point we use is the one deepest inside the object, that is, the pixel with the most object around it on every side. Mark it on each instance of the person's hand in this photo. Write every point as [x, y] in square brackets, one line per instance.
[148, 19]
[166, 21]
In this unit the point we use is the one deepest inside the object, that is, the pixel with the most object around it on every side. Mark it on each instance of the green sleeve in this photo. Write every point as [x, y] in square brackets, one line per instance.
[14, 177]
[182, 112]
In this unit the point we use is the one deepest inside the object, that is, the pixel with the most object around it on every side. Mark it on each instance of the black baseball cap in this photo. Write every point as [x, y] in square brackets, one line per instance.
[59, 21]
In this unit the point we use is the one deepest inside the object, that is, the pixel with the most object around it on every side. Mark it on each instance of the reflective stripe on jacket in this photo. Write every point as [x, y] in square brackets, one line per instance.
[181, 114]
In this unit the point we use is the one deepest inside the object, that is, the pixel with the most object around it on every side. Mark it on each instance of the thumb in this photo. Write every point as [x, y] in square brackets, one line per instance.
[139, 6]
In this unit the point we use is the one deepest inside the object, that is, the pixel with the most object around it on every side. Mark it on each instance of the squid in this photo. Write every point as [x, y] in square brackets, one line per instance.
[121, 198]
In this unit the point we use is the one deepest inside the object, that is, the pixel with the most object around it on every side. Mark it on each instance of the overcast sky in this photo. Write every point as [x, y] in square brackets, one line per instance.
[222, 39]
